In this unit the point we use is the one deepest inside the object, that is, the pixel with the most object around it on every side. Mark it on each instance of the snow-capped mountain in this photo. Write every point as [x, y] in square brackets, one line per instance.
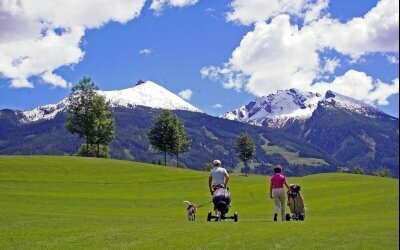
[347, 103]
[148, 94]
[275, 110]
[323, 129]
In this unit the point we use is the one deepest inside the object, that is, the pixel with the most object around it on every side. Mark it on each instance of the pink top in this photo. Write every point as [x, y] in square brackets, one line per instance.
[277, 180]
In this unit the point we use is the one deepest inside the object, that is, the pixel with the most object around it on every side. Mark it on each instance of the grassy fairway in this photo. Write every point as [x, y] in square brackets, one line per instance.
[82, 203]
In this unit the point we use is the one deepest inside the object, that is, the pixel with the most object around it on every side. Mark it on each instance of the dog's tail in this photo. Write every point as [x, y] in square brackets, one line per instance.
[187, 202]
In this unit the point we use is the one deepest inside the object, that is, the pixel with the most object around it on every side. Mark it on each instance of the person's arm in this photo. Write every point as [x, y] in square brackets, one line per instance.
[226, 178]
[287, 186]
[270, 190]
[209, 183]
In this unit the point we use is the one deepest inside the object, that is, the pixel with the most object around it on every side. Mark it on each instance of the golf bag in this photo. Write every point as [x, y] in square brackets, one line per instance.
[222, 200]
[296, 203]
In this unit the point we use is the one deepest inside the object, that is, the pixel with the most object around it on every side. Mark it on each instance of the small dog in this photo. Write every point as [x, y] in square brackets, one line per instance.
[191, 211]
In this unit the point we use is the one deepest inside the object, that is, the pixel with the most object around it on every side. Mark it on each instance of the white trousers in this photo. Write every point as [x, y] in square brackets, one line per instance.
[279, 196]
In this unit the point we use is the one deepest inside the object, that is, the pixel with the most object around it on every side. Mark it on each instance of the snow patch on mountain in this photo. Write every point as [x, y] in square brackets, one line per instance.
[345, 102]
[46, 112]
[275, 110]
[147, 94]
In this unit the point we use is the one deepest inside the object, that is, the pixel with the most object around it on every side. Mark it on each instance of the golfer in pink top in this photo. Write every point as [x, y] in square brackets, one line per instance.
[277, 192]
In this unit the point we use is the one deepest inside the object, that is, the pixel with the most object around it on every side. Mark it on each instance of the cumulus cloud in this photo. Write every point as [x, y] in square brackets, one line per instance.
[36, 39]
[330, 64]
[145, 52]
[360, 86]
[393, 59]
[54, 79]
[277, 54]
[272, 57]
[252, 11]
[230, 78]
[315, 10]
[217, 106]
[159, 5]
[377, 31]
[186, 94]
[383, 91]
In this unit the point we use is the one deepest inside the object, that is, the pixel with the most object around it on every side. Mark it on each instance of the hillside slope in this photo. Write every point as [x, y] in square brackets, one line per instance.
[143, 94]
[352, 138]
[211, 138]
[351, 131]
[70, 202]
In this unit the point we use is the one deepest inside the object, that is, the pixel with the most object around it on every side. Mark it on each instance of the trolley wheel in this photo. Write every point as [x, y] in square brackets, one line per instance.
[209, 216]
[235, 217]
[287, 217]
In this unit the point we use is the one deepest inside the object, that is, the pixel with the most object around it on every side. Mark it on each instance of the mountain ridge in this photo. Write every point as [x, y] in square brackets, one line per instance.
[144, 93]
[333, 131]
[212, 138]
[275, 110]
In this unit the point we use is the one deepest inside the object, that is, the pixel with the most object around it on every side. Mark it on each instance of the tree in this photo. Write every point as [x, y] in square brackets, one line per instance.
[181, 141]
[383, 172]
[162, 136]
[358, 170]
[246, 149]
[89, 117]
[168, 135]
[104, 124]
[103, 151]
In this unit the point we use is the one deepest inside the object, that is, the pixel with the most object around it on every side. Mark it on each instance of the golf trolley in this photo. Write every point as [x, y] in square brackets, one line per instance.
[295, 203]
[222, 202]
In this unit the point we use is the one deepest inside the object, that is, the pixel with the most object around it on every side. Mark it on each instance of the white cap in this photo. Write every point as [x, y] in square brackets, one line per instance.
[217, 163]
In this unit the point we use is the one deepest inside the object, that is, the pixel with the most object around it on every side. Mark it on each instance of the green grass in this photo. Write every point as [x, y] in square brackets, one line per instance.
[82, 203]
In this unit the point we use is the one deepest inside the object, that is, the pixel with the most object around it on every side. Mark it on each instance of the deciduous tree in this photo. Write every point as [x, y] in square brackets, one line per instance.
[181, 141]
[88, 116]
[245, 148]
[168, 135]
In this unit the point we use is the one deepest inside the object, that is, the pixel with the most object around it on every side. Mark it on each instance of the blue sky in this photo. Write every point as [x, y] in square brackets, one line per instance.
[219, 55]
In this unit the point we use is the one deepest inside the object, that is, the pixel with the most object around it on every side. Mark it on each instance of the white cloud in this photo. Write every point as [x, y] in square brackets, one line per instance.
[21, 83]
[229, 78]
[360, 86]
[211, 12]
[377, 31]
[330, 64]
[383, 91]
[393, 59]
[145, 52]
[279, 55]
[36, 39]
[159, 5]
[54, 79]
[217, 106]
[252, 11]
[314, 10]
[272, 57]
[186, 94]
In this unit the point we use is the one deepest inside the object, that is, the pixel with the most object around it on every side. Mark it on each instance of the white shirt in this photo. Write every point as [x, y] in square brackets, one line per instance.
[218, 175]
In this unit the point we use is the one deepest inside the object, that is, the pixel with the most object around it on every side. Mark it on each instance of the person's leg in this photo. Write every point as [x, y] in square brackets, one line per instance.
[277, 203]
[216, 214]
[282, 200]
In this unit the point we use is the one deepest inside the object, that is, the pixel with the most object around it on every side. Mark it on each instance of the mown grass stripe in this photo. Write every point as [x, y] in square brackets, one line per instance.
[51, 202]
